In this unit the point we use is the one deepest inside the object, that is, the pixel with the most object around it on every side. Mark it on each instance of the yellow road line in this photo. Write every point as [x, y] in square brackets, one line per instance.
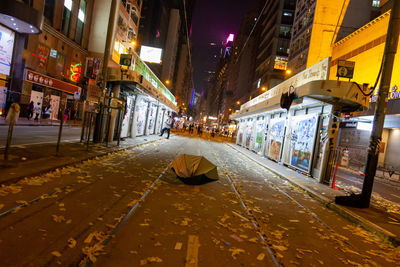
[192, 251]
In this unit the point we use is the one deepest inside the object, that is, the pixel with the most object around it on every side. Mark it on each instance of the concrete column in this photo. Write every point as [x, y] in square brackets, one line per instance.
[114, 112]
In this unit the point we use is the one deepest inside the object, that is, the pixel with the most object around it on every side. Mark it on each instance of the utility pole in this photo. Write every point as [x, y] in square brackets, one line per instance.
[392, 38]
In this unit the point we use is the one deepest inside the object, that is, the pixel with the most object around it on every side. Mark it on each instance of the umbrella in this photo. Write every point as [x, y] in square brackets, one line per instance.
[192, 169]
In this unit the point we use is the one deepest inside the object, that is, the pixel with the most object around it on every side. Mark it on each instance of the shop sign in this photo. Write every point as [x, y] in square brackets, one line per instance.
[6, 49]
[348, 124]
[345, 69]
[43, 54]
[53, 53]
[76, 72]
[125, 60]
[393, 94]
[37, 78]
[280, 63]
[141, 68]
[319, 71]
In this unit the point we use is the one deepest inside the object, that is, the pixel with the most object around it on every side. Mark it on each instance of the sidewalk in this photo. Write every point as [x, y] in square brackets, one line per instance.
[383, 223]
[28, 161]
[41, 122]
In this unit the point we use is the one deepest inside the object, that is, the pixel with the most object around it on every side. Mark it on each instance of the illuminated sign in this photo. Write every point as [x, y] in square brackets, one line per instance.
[76, 72]
[6, 49]
[40, 79]
[53, 53]
[150, 54]
[393, 94]
[144, 70]
[230, 38]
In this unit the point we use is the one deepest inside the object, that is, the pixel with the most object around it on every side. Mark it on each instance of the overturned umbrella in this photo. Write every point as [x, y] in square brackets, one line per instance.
[194, 170]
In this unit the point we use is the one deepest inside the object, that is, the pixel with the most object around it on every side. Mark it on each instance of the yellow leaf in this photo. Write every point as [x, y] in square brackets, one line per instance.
[56, 253]
[260, 256]
[71, 242]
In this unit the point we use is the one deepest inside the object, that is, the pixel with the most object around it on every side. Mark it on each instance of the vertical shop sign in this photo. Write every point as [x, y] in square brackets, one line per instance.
[76, 72]
[43, 55]
[6, 49]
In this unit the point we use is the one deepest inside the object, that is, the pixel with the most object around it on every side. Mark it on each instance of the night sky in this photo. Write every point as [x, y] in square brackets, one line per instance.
[213, 20]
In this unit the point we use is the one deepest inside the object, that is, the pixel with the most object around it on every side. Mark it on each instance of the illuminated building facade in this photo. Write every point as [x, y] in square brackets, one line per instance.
[365, 47]
[319, 23]
[53, 61]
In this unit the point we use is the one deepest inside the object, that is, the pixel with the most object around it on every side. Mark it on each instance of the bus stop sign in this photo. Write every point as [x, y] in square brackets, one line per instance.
[125, 60]
[345, 69]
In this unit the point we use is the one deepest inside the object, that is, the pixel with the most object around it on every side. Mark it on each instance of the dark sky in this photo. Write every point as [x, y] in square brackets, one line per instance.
[213, 20]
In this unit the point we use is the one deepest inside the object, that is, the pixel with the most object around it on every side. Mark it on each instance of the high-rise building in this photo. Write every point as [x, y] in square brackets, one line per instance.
[273, 32]
[319, 23]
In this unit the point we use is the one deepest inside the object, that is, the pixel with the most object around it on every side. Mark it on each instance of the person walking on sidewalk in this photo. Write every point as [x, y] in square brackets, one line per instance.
[31, 106]
[167, 127]
[38, 110]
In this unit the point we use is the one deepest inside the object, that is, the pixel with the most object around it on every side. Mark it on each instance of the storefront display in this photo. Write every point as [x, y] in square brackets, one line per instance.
[37, 98]
[259, 135]
[55, 105]
[302, 141]
[127, 117]
[276, 136]
[141, 110]
[249, 131]
[240, 134]
[6, 49]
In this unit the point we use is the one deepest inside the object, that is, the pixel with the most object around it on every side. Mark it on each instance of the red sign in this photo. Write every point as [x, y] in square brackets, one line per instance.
[47, 81]
[76, 71]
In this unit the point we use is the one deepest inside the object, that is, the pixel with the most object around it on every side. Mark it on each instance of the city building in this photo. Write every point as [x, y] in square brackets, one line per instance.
[319, 23]
[273, 32]
[365, 47]
[139, 101]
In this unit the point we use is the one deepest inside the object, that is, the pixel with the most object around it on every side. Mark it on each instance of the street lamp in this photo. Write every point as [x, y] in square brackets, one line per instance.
[167, 81]
[237, 102]
[288, 71]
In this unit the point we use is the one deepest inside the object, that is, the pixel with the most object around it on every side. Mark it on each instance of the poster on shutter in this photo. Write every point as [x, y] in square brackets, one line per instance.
[141, 117]
[276, 135]
[259, 135]
[302, 141]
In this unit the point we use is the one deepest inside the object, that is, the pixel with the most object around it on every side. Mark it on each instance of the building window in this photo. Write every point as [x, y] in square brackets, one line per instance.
[49, 11]
[375, 3]
[134, 16]
[66, 16]
[287, 18]
[81, 22]
[284, 31]
[138, 3]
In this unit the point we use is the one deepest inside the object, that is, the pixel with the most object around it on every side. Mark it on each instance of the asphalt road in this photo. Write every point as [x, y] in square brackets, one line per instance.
[26, 135]
[382, 189]
[129, 209]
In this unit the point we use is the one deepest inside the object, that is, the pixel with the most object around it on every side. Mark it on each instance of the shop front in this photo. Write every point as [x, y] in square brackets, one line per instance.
[303, 137]
[46, 91]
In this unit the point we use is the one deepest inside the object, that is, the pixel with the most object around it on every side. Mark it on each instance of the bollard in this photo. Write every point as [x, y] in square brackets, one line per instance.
[120, 126]
[108, 127]
[83, 126]
[12, 117]
[90, 127]
[61, 112]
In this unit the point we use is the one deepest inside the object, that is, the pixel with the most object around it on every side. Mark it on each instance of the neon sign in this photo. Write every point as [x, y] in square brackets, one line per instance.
[230, 38]
[76, 72]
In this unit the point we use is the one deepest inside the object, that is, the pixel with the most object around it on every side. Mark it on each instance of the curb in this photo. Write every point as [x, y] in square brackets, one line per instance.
[342, 211]
[16, 179]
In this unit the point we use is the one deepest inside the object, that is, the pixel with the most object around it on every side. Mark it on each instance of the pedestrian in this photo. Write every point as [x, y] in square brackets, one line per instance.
[38, 110]
[66, 113]
[47, 112]
[184, 127]
[167, 126]
[31, 106]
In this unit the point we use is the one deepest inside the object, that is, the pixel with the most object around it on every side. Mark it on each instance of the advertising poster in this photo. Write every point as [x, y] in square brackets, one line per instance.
[127, 116]
[259, 135]
[152, 119]
[43, 56]
[240, 134]
[276, 135]
[302, 143]
[54, 104]
[6, 49]
[3, 97]
[159, 121]
[141, 110]
[249, 130]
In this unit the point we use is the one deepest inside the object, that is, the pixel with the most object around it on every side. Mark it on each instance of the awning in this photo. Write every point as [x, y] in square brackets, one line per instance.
[344, 95]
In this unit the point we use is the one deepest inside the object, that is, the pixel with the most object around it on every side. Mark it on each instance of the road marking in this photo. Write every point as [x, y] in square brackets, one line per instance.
[394, 195]
[192, 251]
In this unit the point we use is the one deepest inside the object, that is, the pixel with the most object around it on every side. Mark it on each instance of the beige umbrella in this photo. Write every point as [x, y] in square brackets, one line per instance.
[190, 167]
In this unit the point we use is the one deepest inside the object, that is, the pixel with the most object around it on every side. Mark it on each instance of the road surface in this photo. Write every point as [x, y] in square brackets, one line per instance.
[129, 209]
